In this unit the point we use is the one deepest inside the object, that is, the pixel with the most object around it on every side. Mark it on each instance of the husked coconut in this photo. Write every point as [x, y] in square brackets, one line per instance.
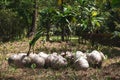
[22, 54]
[15, 59]
[79, 54]
[26, 61]
[58, 62]
[49, 60]
[63, 54]
[39, 61]
[43, 55]
[32, 55]
[67, 55]
[95, 58]
[54, 53]
[12, 60]
[81, 64]
[70, 57]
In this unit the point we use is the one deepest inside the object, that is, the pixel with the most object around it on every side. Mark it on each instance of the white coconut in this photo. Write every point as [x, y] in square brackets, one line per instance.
[54, 53]
[39, 61]
[63, 54]
[26, 61]
[22, 54]
[49, 60]
[69, 55]
[81, 64]
[58, 62]
[43, 55]
[79, 54]
[95, 58]
[16, 60]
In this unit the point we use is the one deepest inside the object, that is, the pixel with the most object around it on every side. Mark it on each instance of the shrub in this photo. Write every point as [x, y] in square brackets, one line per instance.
[11, 25]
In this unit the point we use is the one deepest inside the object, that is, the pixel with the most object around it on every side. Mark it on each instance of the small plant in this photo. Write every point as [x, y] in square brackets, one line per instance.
[12, 69]
[33, 41]
[33, 66]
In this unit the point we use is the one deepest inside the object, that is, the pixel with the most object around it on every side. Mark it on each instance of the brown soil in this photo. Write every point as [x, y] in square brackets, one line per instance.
[110, 69]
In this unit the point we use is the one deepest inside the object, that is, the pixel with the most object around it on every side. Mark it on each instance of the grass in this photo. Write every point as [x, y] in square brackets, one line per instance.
[109, 71]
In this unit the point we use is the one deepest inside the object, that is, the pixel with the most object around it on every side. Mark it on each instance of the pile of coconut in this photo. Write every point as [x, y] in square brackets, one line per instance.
[78, 60]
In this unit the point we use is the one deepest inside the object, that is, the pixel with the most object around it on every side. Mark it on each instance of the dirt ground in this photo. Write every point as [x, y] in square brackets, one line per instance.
[110, 68]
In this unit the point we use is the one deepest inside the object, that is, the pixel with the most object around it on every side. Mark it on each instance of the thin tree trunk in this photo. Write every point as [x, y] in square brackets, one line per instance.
[48, 31]
[62, 26]
[63, 33]
[32, 29]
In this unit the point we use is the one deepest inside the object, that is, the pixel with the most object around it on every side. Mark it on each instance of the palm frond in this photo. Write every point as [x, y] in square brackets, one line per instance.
[34, 40]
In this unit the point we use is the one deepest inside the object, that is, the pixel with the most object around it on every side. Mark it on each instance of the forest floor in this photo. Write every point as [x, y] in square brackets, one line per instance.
[110, 68]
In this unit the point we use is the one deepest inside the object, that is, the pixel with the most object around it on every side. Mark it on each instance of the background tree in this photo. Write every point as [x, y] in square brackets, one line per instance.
[33, 27]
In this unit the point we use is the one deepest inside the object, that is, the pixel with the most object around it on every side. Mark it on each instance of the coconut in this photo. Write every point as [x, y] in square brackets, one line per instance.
[81, 64]
[95, 58]
[54, 53]
[67, 55]
[49, 60]
[16, 59]
[58, 62]
[43, 55]
[63, 54]
[70, 57]
[22, 54]
[36, 59]
[79, 54]
[26, 61]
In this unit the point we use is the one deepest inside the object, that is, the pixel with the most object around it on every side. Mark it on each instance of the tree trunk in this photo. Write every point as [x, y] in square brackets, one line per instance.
[62, 26]
[63, 33]
[48, 31]
[32, 29]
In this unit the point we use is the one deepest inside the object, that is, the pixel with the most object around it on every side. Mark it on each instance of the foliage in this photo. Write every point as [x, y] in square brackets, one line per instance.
[11, 25]
[115, 3]
[35, 38]
[47, 17]
[22, 12]
[83, 16]
[63, 17]
[91, 18]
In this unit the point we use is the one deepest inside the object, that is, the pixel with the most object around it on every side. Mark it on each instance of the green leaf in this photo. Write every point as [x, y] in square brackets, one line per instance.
[94, 13]
[115, 3]
[36, 37]
[33, 66]
[98, 24]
